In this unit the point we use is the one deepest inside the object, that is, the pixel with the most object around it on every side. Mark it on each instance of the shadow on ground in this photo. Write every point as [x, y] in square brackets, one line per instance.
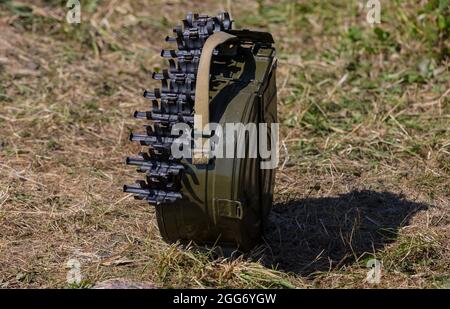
[315, 234]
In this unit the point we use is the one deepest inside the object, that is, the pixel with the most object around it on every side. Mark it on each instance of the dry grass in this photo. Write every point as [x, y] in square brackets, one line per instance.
[365, 113]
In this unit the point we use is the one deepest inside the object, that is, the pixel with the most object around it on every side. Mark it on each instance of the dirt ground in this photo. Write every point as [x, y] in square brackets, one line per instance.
[365, 119]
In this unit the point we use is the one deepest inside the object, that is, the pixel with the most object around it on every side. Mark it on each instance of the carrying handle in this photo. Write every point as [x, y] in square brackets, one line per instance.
[201, 105]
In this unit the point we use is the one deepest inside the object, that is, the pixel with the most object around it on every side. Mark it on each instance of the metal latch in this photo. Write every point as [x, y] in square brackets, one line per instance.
[229, 208]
